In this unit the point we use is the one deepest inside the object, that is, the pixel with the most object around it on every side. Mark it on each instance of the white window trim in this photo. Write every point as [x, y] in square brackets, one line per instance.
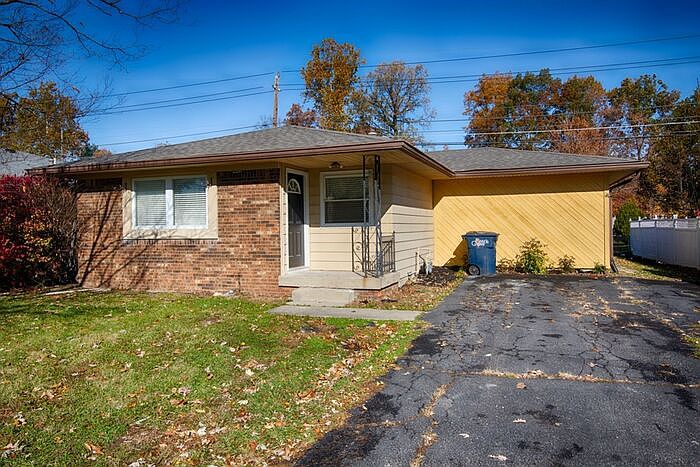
[324, 176]
[169, 205]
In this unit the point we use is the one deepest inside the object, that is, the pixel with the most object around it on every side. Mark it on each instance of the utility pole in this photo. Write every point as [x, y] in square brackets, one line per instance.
[276, 88]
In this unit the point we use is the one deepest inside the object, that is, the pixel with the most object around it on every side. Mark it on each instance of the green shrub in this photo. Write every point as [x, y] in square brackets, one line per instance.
[599, 268]
[567, 264]
[532, 258]
[625, 214]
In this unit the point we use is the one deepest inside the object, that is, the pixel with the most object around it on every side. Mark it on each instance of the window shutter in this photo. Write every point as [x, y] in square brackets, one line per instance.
[150, 202]
[190, 201]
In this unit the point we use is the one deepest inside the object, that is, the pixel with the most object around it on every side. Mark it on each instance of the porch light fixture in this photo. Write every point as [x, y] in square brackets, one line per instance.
[335, 165]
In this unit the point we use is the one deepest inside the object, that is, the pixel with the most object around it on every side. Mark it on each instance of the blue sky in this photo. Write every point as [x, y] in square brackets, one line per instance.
[218, 40]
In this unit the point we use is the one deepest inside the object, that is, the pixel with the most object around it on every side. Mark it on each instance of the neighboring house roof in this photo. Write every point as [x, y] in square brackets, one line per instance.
[503, 160]
[291, 141]
[18, 162]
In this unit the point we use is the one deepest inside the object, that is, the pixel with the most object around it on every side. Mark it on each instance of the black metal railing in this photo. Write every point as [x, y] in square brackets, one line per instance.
[388, 255]
[371, 258]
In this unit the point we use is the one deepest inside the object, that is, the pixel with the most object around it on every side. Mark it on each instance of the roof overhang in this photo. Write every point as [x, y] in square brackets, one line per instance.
[618, 171]
[630, 167]
[210, 159]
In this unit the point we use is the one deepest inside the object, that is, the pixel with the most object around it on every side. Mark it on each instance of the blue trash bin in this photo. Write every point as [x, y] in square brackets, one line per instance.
[481, 260]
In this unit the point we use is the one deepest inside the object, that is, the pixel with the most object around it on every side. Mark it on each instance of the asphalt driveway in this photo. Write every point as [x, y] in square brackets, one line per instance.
[537, 371]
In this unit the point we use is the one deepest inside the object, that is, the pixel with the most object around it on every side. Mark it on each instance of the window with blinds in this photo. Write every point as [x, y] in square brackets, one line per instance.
[342, 199]
[170, 203]
[190, 201]
[150, 203]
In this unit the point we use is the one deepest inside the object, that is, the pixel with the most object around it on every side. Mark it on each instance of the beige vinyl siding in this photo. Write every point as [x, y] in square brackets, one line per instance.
[406, 209]
[569, 213]
[409, 199]
[330, 247]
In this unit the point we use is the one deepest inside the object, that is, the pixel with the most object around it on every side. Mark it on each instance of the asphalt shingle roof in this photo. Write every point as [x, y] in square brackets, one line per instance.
[18, 162]
[270, 139]
[290, 138]
[473, 159]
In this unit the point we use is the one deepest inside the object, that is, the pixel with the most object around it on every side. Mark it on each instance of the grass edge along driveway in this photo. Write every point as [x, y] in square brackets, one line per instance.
[155, 378]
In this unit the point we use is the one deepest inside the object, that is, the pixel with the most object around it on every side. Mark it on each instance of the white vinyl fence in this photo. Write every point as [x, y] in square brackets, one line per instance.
[670, 241]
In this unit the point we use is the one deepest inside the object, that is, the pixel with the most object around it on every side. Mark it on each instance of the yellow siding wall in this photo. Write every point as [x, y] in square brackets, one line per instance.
[569, 213]
[409, 199]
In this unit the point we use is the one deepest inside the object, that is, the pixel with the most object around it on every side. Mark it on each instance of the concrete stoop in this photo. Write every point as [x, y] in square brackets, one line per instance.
[321, 296]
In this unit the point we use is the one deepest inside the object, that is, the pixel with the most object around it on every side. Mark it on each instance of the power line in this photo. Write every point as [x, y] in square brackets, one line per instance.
[498, 144]
[556, 114]
[181, 98]
[481, 57]
[201, 133]
[507, 73]
[179, 104]
[607, 127]
[425, 131]
[187, 85]
[473, 78]
[548, 51]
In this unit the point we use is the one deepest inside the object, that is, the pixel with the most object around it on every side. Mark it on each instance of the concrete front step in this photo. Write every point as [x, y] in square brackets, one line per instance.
[321, 296]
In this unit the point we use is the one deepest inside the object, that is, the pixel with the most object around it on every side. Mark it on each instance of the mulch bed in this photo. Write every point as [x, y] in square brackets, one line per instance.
[424, 292]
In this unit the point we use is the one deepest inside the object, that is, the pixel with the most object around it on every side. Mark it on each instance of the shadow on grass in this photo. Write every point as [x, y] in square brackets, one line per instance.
[648, 269]
[80, 303]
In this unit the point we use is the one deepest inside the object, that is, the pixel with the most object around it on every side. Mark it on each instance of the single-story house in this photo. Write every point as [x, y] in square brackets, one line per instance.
[266, 212]
[18, 162]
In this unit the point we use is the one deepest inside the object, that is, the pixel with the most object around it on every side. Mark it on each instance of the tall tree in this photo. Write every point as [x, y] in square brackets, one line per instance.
[514, 109]
[297, 116]
[531, 99]
[633, 104]
[45, 123]
[330, 76]
[581, 103]
[536, 111]
[394, 101]
[672, 181]
[486, 108]
[38, 37]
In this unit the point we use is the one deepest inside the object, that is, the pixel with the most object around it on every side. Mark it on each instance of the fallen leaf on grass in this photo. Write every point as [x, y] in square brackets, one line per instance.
[19, 419]
[10, 450]
[93, 450]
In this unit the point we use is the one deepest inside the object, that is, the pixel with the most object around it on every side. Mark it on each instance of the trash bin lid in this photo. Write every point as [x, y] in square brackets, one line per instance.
[481, 233]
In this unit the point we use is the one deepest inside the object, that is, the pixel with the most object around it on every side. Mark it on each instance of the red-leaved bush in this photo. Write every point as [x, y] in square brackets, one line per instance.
[37, 232]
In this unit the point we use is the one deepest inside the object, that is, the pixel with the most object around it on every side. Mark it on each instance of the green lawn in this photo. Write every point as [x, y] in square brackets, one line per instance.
[645, 269]
[111, 378]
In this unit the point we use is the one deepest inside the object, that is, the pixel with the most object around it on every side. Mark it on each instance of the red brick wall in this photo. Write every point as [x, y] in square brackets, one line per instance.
[245, 258]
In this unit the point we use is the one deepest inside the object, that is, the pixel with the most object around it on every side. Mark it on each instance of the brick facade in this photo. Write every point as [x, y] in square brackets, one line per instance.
[244, 259]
